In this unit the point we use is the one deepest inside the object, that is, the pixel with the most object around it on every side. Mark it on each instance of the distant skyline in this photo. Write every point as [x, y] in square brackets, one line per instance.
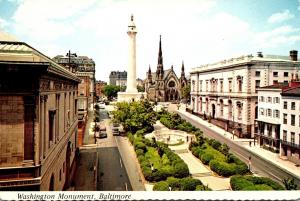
[194, 31]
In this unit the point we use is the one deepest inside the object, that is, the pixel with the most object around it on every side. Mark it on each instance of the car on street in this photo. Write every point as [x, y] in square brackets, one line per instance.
[115, 131]
[102, 135]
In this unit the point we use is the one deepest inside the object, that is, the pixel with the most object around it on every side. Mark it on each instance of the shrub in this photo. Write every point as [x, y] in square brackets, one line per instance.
[140, 145]
[181, 170]
[253, 183]
[202, 188]
[189, 184]
[161, 186]
[216, 145]
[174, 183]
[224, 149]
[139, 152]
[222, 168]
[206, 158]
[130, 137]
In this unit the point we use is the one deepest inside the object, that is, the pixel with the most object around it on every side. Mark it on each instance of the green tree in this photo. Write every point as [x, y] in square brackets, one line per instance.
[290, 184]
[186, 92]
[141, 88]
[111, 91]
[135, 115]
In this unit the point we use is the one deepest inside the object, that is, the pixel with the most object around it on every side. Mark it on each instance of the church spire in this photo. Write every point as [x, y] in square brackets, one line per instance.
[182, 70]
[160, 58]
[149, 71]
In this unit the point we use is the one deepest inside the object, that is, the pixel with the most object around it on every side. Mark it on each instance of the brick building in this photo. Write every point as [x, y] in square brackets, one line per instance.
[99, 88]
[84, 68]
[38, 120]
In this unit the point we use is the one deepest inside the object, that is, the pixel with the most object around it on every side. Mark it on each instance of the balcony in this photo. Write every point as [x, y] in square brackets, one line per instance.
[290, 144]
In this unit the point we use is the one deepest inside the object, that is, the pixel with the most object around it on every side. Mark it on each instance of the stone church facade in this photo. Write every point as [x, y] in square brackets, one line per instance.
[164, 85]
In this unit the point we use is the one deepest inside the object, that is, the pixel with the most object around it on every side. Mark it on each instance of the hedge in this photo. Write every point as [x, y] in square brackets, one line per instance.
[157, 161]
[239, 183]
[184, 184]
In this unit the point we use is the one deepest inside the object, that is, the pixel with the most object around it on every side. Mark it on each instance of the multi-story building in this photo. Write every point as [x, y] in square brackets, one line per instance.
[225, 92]
[38, 120]
[84, 68]
[118, 78]
[99, 88]
[290, 123]
[268, 118]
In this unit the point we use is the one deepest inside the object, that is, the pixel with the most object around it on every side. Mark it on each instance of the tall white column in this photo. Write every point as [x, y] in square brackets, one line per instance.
[131, 75]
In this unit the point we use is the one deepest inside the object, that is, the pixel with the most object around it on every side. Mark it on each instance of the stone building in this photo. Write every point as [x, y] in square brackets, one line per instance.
[38, 120]
[290, 126]
[84, 68]
[225, 92]
[164, 85]
[278, 122]
[118, 78]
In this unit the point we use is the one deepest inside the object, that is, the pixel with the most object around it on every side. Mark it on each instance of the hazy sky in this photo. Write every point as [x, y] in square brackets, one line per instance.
[194, 31]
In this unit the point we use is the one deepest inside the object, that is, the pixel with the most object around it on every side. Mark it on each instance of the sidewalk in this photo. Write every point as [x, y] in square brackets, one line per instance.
[267, 155]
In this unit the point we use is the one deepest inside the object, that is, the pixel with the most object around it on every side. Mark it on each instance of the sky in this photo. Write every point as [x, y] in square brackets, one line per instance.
[195, 32]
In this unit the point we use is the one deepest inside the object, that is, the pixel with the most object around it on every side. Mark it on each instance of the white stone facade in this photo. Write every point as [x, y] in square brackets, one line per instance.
[290, 128]
[225, 92]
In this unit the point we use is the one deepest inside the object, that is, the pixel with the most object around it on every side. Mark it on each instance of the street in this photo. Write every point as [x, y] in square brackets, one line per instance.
[112, 175]
[259, 165]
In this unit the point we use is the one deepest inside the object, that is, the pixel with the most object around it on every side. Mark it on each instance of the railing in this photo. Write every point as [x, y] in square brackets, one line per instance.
[291, 144]
[20, 182]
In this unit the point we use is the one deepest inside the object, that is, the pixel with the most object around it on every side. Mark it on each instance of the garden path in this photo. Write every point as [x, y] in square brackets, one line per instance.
[197, 169]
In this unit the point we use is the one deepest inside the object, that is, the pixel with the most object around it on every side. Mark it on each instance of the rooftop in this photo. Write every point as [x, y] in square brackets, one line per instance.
[244, 59]
[20, 52]
[295, 91]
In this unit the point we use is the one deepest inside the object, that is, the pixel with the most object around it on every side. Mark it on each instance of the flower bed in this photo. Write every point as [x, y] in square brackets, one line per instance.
[247, 183]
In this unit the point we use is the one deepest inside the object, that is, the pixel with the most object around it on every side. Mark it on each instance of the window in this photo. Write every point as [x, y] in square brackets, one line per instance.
[269, 100]
[60, 175]
[276, 99]
[292, 137]
[269, 112]
[240, 84]
[230, 85]
[275, 82]
[293, 106]
[284, 118]
[286, 74]
[200, 85]
[275, 74]
[221, 85]
[239, 110]
[261, 111]
[257, 73]
[206, 86]
[193, 85]
[276, 113]
[284, 105]
[286, 82]
[51, 125]
[64, 167]
[221, 108]
[284, 134]
[257, 83]
[293, 120]
[262, 99]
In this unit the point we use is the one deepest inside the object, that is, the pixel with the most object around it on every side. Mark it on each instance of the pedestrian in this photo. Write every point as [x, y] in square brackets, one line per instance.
[187, 138]
[249, 163]
[250, 143]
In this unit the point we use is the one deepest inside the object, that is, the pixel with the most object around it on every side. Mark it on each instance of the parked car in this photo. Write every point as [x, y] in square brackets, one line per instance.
[115, 131]
[103, 135]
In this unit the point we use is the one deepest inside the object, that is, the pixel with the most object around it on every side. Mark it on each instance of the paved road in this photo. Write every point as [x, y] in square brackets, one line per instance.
[112, 175]
[259, 165]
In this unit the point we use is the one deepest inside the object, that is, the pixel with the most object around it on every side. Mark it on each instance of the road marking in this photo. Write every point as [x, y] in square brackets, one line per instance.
[126, 187]
[121, 163]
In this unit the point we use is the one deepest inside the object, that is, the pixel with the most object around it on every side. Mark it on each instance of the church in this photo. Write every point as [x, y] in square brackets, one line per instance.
[164, 85]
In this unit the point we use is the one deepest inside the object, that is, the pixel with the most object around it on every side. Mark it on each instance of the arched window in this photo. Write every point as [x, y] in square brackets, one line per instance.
[171, 84]
[239, 109]
[229, 109]
[221, 108]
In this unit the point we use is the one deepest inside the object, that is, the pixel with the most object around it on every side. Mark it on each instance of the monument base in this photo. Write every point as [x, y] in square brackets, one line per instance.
[129, 96]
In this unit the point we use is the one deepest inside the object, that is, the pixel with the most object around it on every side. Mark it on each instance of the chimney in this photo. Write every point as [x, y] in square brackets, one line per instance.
[259, 54]
[294, 55]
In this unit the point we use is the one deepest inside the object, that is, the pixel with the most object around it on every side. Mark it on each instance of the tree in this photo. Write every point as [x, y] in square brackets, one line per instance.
[186, 92]
[111, 91]
[135, 115]
[290, 184]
